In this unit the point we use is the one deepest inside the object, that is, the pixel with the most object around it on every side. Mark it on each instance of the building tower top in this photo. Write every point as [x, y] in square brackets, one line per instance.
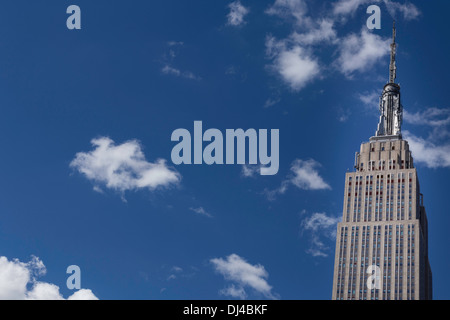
[391, 109]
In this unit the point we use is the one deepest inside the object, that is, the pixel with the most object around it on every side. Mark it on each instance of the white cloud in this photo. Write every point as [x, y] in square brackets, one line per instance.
[201, 211]
[305, 175]
[44, 291]
[83, 294]
[294, 64]
[16, 277]
[242, 274]
[235, 292]
[167, 69]
[407, 9]
[370, 99]
[123, 167]
[348, 7]
[177, 269]
[237, 13]
[324, 33]
[271, 102]
[433, 151]
[431, 117]
[426, 152]
[319, 225]
[171, 277]
[320, 221]
[249, 171]
[295, 58]
[170, 70]
[359, 52]
[292, 58]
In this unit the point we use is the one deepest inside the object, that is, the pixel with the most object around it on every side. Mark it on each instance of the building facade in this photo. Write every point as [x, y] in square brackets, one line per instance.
[382, 241]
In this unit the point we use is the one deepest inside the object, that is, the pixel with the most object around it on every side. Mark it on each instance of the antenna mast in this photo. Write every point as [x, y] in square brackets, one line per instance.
[392, 66]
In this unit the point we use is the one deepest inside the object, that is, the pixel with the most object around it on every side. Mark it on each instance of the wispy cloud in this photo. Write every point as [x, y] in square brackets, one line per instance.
[242, 275]
[343, 114]
[434, 150]
[271, 102]
[177, 272]
[171, 277]
[324, 32]
[18, 281]
[359, 52]
[370, 99]
[167, 69]
[304, 175]
[290, 9]
[408, 10]
[319, 226]
[123, 167]
[348, 8]
[251, 170]
[237, 14]
[427, 152]
[201, 211]
[236, 292]
[434, 117]
[169, 58]
[296, 59]
[175, 43]
[177, 269]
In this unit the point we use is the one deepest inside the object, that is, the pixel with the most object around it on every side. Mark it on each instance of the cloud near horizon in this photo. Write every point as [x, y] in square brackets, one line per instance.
[242, 275]
[18, 281]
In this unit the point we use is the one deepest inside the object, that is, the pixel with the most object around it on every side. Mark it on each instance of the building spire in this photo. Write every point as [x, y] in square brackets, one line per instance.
[391, 109]
[392, 66]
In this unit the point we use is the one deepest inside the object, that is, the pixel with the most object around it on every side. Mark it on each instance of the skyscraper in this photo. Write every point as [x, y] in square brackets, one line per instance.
[382, 241]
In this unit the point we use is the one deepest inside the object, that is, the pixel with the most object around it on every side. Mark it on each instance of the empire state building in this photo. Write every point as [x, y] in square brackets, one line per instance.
[382, 241]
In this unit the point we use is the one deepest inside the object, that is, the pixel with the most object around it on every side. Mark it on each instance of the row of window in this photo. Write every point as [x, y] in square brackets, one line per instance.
[366, 210]
[396, 267]
[381, 165]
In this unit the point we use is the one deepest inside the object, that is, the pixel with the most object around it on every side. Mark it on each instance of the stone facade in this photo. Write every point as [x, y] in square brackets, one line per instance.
[384, 224]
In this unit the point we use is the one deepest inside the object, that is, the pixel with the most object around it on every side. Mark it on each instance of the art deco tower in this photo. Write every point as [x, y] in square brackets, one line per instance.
[382, 241]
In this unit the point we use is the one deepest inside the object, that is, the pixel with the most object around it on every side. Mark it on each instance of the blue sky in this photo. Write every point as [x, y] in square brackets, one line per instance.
[79, 104]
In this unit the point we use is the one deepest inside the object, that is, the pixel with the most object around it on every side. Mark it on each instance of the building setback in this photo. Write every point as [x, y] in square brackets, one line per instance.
[382, 241]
